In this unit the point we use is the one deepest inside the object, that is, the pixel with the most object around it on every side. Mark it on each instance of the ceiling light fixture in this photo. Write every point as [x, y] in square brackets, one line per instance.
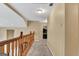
[40, 11]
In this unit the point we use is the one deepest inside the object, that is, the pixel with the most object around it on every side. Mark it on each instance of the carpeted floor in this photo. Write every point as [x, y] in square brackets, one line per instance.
[39, 48]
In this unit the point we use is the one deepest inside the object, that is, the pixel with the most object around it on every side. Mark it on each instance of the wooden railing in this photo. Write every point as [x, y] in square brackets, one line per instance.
[17, 46]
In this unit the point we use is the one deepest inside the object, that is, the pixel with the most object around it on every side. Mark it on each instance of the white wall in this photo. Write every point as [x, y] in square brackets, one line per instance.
[12, 23]
[9, 18]
[2, 34]
[17, 31]
[17, 25]
[56, 30]
[36, 27]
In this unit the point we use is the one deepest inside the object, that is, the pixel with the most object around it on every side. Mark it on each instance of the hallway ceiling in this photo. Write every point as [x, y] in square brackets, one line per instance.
[27, 11]
[33, 11]
[8, 18]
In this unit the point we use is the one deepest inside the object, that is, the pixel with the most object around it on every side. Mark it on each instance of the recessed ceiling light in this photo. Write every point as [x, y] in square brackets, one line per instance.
[40, 11]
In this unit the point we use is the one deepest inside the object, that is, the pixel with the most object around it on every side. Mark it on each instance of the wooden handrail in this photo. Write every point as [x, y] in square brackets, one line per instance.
[8, 41]
[22, 43]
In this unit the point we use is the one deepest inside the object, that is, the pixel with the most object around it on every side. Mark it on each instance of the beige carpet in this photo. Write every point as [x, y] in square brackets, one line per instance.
[39, 48]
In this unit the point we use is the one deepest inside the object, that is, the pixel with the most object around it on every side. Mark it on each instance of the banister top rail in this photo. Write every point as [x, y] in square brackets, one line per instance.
[8, 41]
[11, 40]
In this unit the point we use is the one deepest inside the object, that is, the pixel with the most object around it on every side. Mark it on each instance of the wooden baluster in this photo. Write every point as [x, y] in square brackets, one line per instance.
[8, 49]
[2, 50]
[13, 48]
[18, 47]
[33, 36]
[21, 43]
[30, 40]
[24, 44]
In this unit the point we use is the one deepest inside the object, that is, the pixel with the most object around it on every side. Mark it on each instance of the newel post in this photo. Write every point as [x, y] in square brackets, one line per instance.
[33, 35]
[21, 34]
[21, 43]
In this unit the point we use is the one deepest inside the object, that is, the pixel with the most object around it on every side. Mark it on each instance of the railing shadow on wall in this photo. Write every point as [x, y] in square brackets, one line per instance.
[17, 46]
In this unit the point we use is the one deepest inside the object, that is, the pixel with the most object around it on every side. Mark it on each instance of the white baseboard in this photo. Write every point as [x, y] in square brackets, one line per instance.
[50, 48]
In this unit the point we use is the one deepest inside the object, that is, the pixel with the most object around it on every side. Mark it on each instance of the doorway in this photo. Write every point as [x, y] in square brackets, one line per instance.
[45, 32]
[10, 34]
